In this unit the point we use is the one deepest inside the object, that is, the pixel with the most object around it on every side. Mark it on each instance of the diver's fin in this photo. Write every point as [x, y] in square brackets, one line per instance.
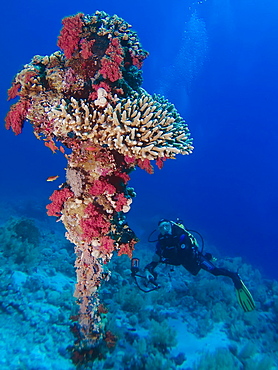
[245, 298]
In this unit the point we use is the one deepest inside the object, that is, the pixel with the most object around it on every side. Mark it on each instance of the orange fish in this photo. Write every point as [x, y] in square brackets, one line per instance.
[51, 145]
[52, 178]
[91, 148]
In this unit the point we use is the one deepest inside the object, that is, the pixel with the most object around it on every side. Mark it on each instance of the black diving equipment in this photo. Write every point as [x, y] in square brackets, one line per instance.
[180, 224]
[134, 266]
[134, 273]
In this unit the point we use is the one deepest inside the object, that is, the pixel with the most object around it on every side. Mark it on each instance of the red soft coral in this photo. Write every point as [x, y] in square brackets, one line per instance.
[123, 176]
[111, 62]
[86, 48]
[100, 187]
[110, 70]
[70, 34]
[95, 223]
[129, 160]
[120, 202]
[107, 244]
[126, 249]
[145, 164]
[17, 115]
[58, 198]
[90, 228]
[13, 91]
[160, 162]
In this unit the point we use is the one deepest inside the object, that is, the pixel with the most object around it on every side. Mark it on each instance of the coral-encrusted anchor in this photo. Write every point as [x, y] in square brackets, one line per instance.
[89, 98]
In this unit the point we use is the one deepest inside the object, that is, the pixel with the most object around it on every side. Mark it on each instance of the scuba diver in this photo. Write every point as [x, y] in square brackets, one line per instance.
[177, 246]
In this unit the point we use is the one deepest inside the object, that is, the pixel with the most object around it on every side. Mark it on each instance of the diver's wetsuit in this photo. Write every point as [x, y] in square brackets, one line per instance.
[180, 248]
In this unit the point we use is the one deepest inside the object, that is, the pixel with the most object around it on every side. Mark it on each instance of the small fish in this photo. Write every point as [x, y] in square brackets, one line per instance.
[51, 145]
[52, 178]
[92, 148]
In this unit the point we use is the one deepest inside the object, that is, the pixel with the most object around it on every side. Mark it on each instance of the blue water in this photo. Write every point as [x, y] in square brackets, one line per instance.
[216, 60]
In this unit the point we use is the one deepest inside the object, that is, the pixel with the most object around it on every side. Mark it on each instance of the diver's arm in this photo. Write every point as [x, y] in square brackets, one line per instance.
[152, 265]
[149, 269]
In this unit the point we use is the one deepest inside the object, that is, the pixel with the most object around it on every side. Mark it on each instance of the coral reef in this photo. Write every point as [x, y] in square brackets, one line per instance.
[89, 98]
[189, 323]
[19, 239]
[35, 296]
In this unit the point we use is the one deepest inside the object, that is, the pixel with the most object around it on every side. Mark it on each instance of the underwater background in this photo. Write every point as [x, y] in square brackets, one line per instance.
[217, 62]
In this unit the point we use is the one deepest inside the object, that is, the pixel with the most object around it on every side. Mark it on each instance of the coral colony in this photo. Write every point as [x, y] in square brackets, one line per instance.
[88, 98]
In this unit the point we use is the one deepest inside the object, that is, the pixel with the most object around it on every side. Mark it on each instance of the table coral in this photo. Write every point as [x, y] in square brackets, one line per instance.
[89, 98]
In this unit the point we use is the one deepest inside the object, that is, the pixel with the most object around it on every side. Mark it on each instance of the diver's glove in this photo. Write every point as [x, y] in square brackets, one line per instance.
[149, 276]
[244, 297]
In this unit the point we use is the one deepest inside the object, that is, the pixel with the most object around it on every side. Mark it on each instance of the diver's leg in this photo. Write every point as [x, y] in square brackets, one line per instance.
[216, 271]
[244, 297]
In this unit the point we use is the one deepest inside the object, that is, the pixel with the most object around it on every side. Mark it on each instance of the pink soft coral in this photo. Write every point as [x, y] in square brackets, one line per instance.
[107, 244]
[58, 198]
[70, 34]
[102, 186]
[86, 48]
[17, 115]
[145, 164]
[126, 249]
[13, 91]
[111, 62]
[160, 162]
[95, 224]
[120, 202]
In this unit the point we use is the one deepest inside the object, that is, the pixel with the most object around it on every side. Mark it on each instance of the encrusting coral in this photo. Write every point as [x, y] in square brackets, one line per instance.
[89, 98]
